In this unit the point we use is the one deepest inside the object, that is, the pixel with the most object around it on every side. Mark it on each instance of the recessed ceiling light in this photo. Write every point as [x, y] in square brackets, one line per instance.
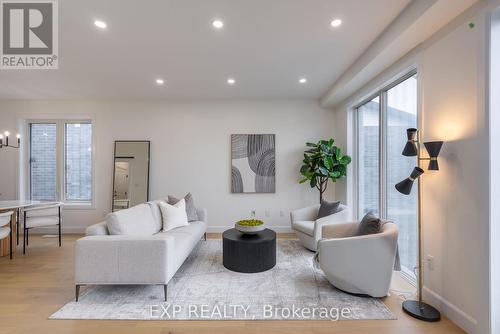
[231, 81]
[336, 23]
[302, 80]
[160, 81]
[217, 24]
[100, 24]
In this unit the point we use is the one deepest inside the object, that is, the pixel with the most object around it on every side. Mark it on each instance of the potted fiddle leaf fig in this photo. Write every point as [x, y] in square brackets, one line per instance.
[323, 161]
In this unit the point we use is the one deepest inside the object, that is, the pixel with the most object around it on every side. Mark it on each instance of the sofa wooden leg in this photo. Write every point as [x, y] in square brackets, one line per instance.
[77, 292]
[165, 291]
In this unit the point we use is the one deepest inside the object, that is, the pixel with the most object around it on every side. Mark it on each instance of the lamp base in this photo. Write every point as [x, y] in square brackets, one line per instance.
[421, 311]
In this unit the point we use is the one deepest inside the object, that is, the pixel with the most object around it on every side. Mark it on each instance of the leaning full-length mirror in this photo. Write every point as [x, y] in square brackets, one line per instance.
[130, 174]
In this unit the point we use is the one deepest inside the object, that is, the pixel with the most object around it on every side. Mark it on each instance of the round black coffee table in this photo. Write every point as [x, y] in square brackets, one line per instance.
[249, 253]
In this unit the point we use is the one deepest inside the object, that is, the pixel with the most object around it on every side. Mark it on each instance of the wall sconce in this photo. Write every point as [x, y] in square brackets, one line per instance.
[418, 308]
[6, 144]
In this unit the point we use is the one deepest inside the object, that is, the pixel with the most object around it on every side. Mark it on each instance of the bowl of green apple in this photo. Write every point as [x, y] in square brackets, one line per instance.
[250, 226]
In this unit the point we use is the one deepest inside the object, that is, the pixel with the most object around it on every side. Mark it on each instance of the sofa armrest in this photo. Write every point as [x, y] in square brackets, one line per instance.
[97, 229]
[121, 259]
[309, 213]
[202, 215]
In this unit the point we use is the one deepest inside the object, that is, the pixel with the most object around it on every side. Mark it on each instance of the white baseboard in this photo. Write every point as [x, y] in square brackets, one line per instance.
[81, 229]
[452, 312]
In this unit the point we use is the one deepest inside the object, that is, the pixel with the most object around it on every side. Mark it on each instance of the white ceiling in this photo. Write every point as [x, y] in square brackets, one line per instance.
[266, 45]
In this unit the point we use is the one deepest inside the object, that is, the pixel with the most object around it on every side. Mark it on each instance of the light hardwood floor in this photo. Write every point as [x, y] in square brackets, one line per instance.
[34, 286]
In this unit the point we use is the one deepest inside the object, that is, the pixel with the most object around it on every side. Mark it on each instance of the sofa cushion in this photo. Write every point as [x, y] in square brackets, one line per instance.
[155, 210]
[328, 208]
[192, 215]
[304, 226]
[138, 220]
[97, 229]
[173, 215]
[184, 238]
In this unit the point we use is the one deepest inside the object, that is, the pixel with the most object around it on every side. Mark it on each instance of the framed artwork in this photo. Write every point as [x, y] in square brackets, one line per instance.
[253, 163]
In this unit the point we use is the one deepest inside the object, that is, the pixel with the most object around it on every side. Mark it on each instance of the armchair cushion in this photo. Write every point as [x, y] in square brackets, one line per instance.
[42, 221]
[370, 224]
[327, 208]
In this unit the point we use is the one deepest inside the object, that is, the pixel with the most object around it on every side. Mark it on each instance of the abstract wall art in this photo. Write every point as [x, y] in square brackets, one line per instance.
[253, 163]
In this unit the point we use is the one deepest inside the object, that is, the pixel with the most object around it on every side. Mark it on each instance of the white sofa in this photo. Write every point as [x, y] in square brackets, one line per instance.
[308, 228]
[131, 248]
[358, 264]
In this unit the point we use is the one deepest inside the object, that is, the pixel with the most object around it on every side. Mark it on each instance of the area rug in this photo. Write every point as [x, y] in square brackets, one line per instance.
[203, 289]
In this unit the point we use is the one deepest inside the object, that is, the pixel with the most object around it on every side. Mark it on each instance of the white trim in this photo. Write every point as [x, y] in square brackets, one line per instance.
[60, 159]
[455, 314]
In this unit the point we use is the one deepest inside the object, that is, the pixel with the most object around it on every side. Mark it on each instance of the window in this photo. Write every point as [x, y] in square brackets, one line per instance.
[381, 135]
[368, 157]
[61, 161]
[43, 161]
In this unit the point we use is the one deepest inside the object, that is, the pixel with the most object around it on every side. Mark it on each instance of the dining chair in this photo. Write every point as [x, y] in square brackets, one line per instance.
[6, 231]
[41, 216]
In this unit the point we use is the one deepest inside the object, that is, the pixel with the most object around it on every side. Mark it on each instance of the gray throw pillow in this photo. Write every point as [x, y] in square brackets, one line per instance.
[327, 208]
[192, 215]
[370, 224]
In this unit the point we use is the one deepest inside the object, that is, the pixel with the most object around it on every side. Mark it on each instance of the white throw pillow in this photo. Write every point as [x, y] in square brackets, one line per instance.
[138, 220]
[173, 216]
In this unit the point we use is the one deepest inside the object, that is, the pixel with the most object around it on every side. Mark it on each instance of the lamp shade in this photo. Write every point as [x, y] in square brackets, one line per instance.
[433, 148]
[405, 186]
[411, 147]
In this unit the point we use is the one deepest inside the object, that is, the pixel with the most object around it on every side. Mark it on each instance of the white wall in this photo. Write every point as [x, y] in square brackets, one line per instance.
[452, 71]
[190, 151]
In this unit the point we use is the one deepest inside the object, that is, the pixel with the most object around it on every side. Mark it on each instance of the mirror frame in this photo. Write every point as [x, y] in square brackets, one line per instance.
[114, 160]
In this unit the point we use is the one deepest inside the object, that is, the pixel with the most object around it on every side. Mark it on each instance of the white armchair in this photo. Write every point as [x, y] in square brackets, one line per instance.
[41, 216]
[309, 229]
[6, 228]
[358, 264]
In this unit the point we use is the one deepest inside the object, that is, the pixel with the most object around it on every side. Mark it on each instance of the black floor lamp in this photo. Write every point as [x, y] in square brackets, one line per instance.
[417, 308]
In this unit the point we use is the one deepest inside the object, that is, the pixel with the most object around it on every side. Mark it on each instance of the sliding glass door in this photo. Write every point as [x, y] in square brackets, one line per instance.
[381, 136]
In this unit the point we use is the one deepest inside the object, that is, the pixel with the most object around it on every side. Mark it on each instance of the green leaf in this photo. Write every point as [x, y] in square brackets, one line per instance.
[313, 182]
[324, 171]
[335, 175]
[345, 160]
[328, 162]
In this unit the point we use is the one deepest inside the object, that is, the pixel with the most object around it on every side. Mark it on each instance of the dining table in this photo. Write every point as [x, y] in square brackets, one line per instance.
[15, 206]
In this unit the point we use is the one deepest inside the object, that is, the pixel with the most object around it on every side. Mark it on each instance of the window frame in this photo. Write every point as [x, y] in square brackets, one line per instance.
[381, 93]
[61, 163]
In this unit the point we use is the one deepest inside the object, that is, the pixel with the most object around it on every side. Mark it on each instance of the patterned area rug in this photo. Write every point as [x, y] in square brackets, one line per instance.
[203, 289]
